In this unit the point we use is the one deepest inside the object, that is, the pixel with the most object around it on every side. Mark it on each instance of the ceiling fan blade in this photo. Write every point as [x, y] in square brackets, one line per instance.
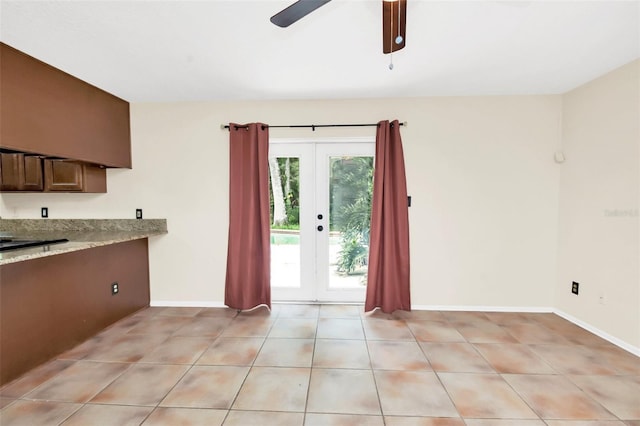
[297, 10]
[394, 25]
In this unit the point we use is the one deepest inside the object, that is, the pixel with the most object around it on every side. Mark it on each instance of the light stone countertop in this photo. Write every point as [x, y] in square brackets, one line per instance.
[82, 234]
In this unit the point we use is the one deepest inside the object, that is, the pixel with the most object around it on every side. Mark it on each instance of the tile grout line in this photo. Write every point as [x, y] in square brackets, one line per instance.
[235, 397]
[313, 354]
[373, 374]
[435, 373]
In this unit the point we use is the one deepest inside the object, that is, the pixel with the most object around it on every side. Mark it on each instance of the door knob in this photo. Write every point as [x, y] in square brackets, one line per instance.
[320, 228]
[320, 216]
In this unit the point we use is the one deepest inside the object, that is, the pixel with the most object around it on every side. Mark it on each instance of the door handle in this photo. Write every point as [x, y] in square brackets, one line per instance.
[320, 217]
[320, 228]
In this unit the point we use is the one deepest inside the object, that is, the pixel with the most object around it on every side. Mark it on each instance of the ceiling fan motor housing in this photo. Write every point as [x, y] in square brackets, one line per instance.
[394, 25]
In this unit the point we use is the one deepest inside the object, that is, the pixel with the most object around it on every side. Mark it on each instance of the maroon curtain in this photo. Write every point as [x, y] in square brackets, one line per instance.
[248, 282]
[388, 276]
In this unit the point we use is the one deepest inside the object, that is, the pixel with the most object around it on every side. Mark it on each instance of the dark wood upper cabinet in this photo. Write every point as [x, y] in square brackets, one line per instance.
[71, 176]
[30, 173]
[19, 172]
[11, 172]
[33, 180]
[46, 111]
[63, 176]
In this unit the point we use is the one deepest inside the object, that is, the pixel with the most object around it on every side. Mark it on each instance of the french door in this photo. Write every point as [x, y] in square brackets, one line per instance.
[320, 215]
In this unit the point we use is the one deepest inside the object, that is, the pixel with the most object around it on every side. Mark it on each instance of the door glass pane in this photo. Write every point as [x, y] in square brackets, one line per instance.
[285, 221]
[350, 192]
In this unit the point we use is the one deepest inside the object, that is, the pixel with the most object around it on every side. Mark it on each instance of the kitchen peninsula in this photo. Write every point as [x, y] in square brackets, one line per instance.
[53, 297]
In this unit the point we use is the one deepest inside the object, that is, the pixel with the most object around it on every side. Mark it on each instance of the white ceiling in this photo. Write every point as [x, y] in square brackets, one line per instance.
[212, 49]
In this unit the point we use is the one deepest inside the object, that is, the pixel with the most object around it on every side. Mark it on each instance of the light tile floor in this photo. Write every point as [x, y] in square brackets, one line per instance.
[331, 365]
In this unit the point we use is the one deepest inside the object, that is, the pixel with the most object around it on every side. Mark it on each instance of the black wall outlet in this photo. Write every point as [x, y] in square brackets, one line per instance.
[44, 212]
[138, 213]
[114, 288]
[575, 287]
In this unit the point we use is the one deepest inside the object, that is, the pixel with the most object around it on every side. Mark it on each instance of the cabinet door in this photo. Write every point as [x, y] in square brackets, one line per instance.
[63, 175]
[71, 176]
[11, 169]
[33, 180]
[19, 172]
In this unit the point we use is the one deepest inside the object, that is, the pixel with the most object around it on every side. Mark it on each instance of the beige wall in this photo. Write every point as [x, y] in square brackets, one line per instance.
[480, 170]
[4, 210]
[599, 193]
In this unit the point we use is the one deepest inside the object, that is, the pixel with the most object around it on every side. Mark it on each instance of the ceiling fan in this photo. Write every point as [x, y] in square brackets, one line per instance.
[394, 18]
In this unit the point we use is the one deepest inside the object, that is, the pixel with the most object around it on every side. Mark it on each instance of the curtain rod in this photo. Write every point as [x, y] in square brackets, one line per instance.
[312, 126]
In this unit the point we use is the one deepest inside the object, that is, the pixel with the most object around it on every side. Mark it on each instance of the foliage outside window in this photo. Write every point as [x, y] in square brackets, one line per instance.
[350, 192]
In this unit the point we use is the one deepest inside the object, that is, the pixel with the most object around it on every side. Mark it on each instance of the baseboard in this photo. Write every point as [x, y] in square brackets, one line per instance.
[606, 336]
[475, 308]
[218, 304]
[186, 304]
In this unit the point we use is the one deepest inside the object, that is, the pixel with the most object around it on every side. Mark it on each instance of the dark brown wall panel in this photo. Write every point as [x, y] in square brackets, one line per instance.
[50, 304]
[44, 110]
